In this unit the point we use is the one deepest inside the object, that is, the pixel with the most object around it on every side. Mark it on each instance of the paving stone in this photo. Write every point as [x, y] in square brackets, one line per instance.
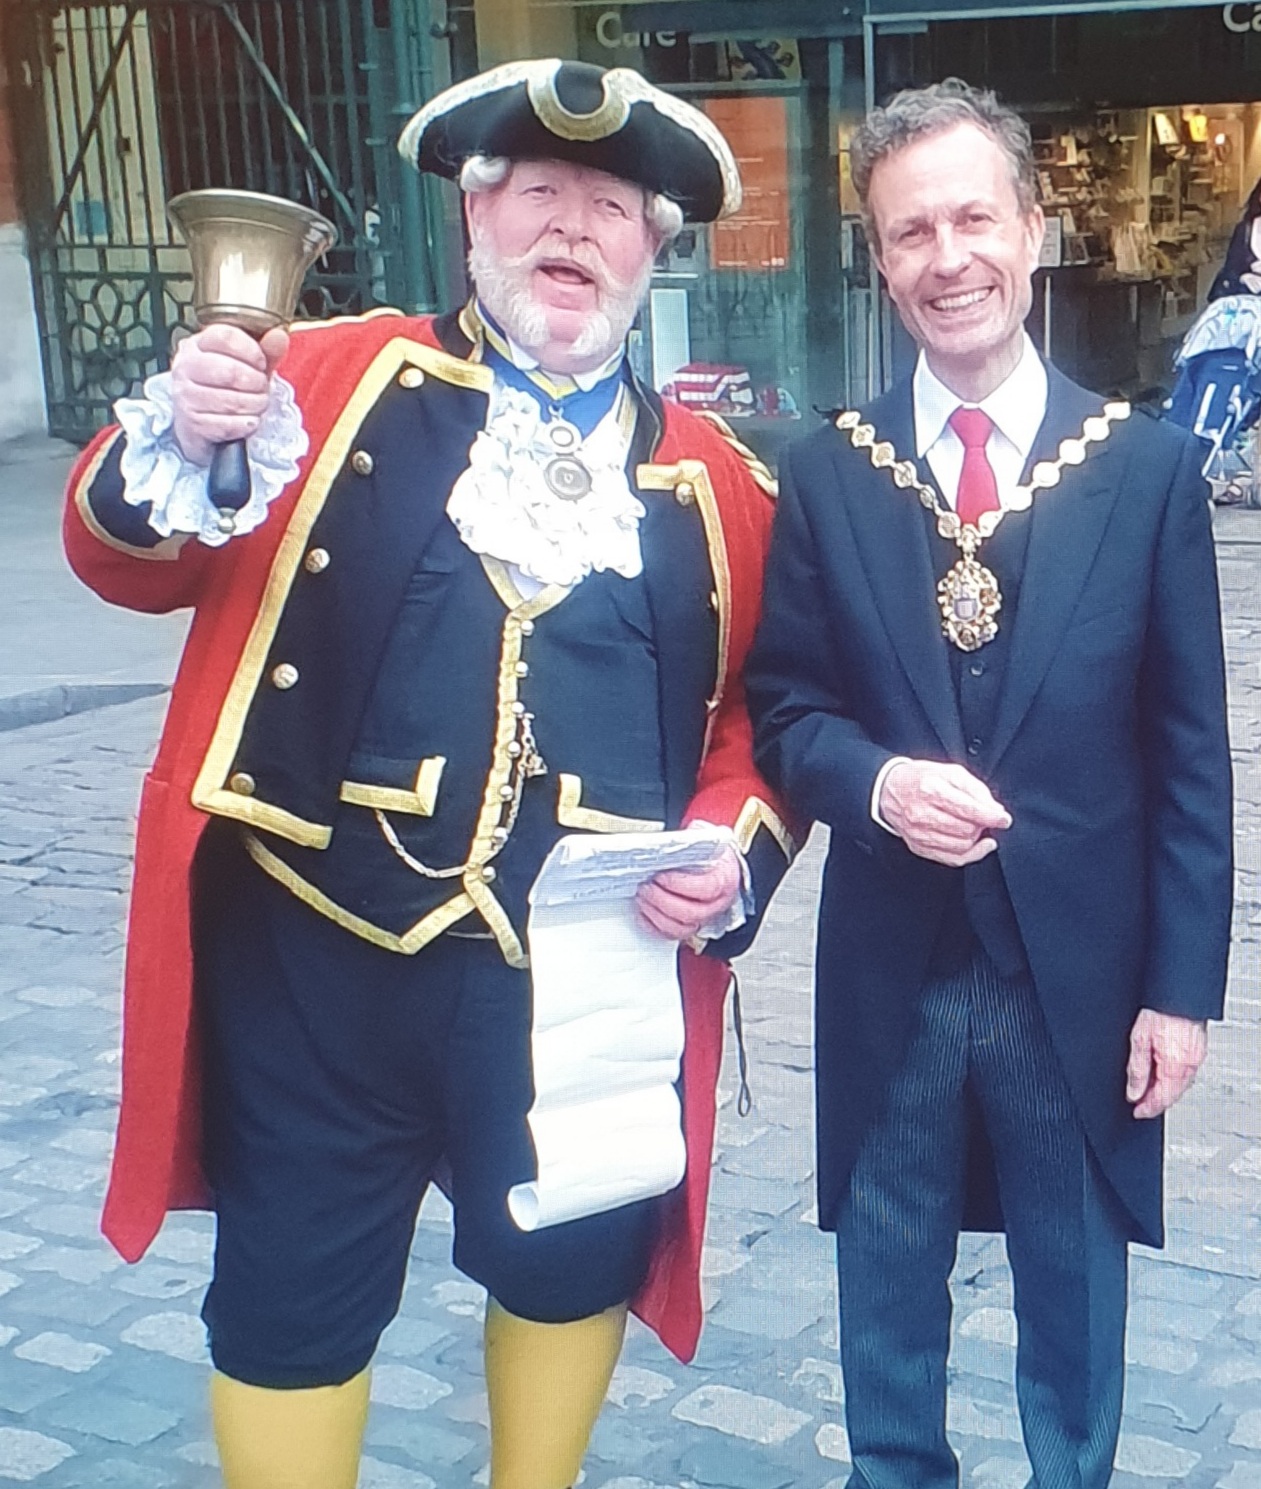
[117, 1473]
[188, 1247]
[822, 1378]
[66, 1220]
[832, 1441]
[632, 1385]
[1001, 1473]
[770, 1315]
[1161, 1354]
[55, 996]
[66, 1303]
[62, 1351]
[759, 1419]
[464, 1299]
[25, 1456]
[115, 1418]
[374, 1474]
[152, 1280]
[1152, 1458]
[721, 1465]
[25, 1388]
[1241, 1476]
[75, 1264]
[403, 1386]
[1247, 1431]
[986, 1419]
[180, 1335]
[426, 1444]
[994, 1325]
[412, 1336]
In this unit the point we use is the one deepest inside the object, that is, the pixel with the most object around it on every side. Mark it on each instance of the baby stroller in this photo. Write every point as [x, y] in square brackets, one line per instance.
[1217, 394]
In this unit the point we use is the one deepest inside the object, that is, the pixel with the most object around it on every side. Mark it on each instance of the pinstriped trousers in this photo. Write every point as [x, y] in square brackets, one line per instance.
[980, 1038]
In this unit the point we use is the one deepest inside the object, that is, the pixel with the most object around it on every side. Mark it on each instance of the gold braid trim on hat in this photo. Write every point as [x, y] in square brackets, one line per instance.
[622, 87]
[968, 596]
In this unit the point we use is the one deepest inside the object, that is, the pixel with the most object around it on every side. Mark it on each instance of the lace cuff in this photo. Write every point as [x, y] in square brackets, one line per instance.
[156, 472]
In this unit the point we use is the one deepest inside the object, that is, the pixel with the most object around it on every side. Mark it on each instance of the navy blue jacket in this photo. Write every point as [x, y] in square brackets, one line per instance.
[1108, 747]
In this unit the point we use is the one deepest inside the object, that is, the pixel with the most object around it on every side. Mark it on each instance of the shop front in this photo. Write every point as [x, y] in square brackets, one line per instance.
[760, 318]
[1147, 131]
[1147, 138]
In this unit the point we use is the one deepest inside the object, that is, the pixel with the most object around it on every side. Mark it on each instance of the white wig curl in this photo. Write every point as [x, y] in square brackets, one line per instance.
[485, 172]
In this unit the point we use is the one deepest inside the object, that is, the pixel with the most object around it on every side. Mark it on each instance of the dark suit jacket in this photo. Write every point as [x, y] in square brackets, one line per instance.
[1109, 749]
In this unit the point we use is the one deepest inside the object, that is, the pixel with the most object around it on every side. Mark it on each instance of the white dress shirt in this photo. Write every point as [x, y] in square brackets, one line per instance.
[1017, 408]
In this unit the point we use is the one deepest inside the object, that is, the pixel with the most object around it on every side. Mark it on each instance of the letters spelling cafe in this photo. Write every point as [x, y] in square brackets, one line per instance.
[1147, 137]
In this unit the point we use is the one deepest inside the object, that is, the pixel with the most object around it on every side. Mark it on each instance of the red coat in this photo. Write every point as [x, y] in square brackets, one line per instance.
[156, 1161]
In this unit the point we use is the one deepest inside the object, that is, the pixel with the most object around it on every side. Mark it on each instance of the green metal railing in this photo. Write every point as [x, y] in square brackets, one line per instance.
[122, 106]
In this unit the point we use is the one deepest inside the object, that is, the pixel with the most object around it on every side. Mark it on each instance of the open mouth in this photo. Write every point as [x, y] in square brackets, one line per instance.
[961, 300]
[563, 272]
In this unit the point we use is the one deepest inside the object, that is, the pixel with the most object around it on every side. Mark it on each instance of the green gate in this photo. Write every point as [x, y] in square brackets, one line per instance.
[120, 107]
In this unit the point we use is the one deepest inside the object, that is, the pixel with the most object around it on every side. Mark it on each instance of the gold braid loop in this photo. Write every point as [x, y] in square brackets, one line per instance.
[758, 469]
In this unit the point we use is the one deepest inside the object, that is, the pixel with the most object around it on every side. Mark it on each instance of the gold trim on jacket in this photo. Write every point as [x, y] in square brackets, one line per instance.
[210, 793]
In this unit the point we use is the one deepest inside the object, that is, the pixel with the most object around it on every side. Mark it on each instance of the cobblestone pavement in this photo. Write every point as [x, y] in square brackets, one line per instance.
[103, 1368]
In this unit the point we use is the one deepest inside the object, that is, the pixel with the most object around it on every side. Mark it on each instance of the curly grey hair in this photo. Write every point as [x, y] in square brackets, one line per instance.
[485, 172]
[916, 113]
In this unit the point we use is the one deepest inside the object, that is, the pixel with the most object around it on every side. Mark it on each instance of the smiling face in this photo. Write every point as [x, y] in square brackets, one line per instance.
[958, 253]
[561, 256]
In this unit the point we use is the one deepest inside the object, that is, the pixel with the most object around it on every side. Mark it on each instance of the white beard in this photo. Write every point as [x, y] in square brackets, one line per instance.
[503, 286]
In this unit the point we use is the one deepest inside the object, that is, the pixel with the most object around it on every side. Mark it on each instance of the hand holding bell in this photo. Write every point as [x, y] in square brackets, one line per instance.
[250, 254]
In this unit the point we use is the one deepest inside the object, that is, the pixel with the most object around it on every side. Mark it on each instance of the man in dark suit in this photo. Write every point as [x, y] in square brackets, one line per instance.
[991, 662]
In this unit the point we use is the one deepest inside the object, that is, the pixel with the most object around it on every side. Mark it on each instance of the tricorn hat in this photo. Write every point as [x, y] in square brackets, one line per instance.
[613, 120]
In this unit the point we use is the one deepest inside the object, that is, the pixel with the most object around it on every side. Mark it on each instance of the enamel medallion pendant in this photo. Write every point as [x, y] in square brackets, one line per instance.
[969, 601]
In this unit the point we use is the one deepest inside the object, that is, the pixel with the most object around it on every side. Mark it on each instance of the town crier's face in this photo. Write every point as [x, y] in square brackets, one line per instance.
[561, 255]
[957, 252]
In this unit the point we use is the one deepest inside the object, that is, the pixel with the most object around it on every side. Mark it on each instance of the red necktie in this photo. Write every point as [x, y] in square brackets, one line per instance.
[978, 490]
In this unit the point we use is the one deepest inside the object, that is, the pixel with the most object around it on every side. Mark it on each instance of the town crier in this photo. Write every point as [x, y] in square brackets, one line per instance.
[488, 589]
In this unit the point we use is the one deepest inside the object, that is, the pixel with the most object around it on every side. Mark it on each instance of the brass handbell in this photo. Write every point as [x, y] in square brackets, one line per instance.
[250, 253]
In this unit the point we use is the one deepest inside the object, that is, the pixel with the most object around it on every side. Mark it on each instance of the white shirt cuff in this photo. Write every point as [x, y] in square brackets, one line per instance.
[155, 470]
[881, 777]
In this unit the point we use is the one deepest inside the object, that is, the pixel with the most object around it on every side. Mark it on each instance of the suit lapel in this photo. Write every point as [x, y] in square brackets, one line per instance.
[891, 536]
[1067, 524]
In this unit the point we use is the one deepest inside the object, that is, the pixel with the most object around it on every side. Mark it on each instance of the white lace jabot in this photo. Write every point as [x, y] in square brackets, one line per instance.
[505, 509]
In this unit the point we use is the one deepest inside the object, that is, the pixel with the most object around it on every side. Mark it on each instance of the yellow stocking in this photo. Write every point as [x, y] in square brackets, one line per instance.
[546, 1384]
[305, 1439]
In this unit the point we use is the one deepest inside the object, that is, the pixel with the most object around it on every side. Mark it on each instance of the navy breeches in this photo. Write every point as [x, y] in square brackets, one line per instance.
[338, 1075]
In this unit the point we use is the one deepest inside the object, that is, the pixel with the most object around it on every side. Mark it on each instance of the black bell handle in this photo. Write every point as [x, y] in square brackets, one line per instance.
[228, 483]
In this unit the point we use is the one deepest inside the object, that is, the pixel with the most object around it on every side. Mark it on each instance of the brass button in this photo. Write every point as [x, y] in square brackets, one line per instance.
[713, 599]
[684, 493]
[506, 793]
[284, 676]
[242, 783]
[411, 377]
[522, 669]
[514, 749]
[500, 834]
[362, 463]
[527, 628]
[518, 709]
[316, 561]
[488, 874]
